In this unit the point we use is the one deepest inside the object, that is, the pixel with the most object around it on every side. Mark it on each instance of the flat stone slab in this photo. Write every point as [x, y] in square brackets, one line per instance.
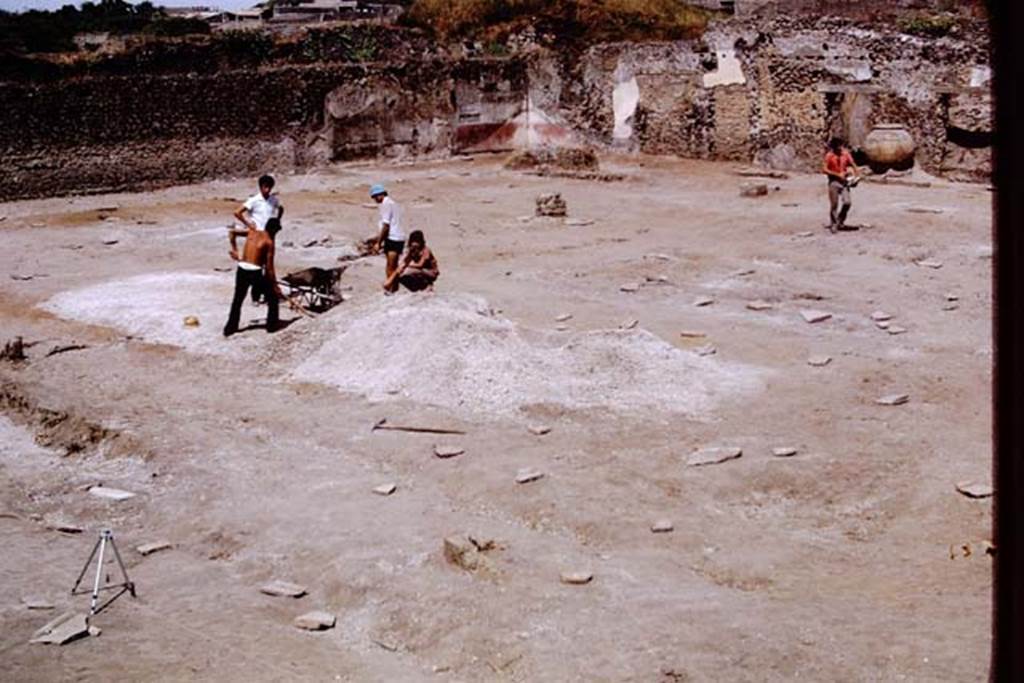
[973, 489]
[760, 305]
[713, 456]
[283, 589]
[819, 361]
[37, 603]
[629, 287]
[692, 334]
[896, 329]
[892, 400]
[462, 552]
[539, 430]
[753, 189]
[315, 621]
[706, 350]
[64, 629]
[110, 493]
[150, 548]
[703, 301]
[563, 317]
[811, 315]
[880, 316]
[662, 526]
[577, 578]
[629, 324]
[784, 452]
[952, 297]
[445, 451]
[951, 307]
[385, 489]
[930, 263]
[883, 324]
[528, 474]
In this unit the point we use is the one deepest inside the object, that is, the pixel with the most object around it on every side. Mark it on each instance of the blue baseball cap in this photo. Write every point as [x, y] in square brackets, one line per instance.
[377, 189]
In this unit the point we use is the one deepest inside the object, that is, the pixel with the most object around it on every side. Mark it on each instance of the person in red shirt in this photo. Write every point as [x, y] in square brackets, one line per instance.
[838, 167]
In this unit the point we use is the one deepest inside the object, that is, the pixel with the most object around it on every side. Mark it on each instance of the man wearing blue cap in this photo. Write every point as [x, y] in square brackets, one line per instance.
[392, 235]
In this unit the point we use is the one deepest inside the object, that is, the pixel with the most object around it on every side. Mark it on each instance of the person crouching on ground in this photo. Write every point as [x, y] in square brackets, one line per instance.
[256, 211]
[838, 164]
[419, 269]
[255, 269]
[392, 237]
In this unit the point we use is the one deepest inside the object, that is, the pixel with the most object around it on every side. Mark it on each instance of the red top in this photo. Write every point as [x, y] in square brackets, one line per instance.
[838, 163]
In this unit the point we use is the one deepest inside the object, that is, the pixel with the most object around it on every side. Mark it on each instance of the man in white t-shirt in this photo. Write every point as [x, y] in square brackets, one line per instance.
[392, 234]
[256, 211]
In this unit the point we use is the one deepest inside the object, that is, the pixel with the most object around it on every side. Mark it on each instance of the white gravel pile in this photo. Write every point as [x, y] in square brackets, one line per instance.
[451, 351]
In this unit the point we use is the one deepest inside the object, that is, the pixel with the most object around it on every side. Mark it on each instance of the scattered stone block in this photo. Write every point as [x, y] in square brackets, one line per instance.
[784, 452]
[973, 489]
[819, 361]
[896, 329]
[883, 325]
[64, 629]
[577, 578]
[753, 190]
[930, 263]
[703, 301]
[315, 621]
[662, 526]
[528, 474]
[892, 400]
[629, 324]
[110, 493]
[713, 456]
[812, 316]
[551, 204]
[706, 350]
[806, 233]
[191, 321]
[692, 334]
[283, 589]
[150, 548]
[880, 316]
[462, 552]
[760, 305]
[539, 430]
[629, 287]
[563, 317]
[561, 328]
[952, 297]
[64, 526]
[579, 222]
[951, 307]
[444, 451]
[385, 489]
[36, 603]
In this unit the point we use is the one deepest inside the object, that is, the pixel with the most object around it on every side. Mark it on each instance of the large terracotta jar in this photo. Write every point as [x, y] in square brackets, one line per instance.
[889, 145]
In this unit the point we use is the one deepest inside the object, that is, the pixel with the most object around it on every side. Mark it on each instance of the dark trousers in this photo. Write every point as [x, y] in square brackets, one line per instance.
[244, 279]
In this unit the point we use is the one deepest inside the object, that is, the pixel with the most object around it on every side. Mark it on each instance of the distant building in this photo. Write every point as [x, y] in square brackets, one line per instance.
[302, 11]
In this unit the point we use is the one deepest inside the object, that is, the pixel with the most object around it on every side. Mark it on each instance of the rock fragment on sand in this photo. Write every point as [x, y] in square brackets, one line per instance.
[952, 297]
[110, 493]
[784, 452]
[64, 629]
[150, 548]
[811, 315]
[539, 430]
[896, 329]
[551, 204]
[629, 287]
[760, 305]
[930, 263]
[713, 456]
[706, 350]
[892, 400]
[283, 589]
[819, 361]
[315, 621]
[36, 603]
[462, 552]
[577, 578]
[883, 324]
[753, 190]
[385, 489]
[563, 317]
[629, 324]
[951, 306]
[700, 302]
[528, 474]
[445, 451]
[662, 526]
[973, 489]
[880, 316]
[692, 334]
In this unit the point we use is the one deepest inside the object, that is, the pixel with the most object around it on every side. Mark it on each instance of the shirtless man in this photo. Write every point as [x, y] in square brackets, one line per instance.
[256, 211]
[255, 269]
[838, 164]
[419, 269]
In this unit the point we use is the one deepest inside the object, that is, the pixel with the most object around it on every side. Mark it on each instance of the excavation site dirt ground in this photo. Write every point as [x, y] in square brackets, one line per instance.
[664, 316]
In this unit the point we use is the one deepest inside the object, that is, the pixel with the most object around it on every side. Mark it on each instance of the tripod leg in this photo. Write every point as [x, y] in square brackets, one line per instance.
[124, 572]
[86, 567]
[99, 574]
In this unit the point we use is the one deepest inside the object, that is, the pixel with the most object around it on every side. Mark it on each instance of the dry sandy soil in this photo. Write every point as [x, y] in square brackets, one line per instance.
[254, 456]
